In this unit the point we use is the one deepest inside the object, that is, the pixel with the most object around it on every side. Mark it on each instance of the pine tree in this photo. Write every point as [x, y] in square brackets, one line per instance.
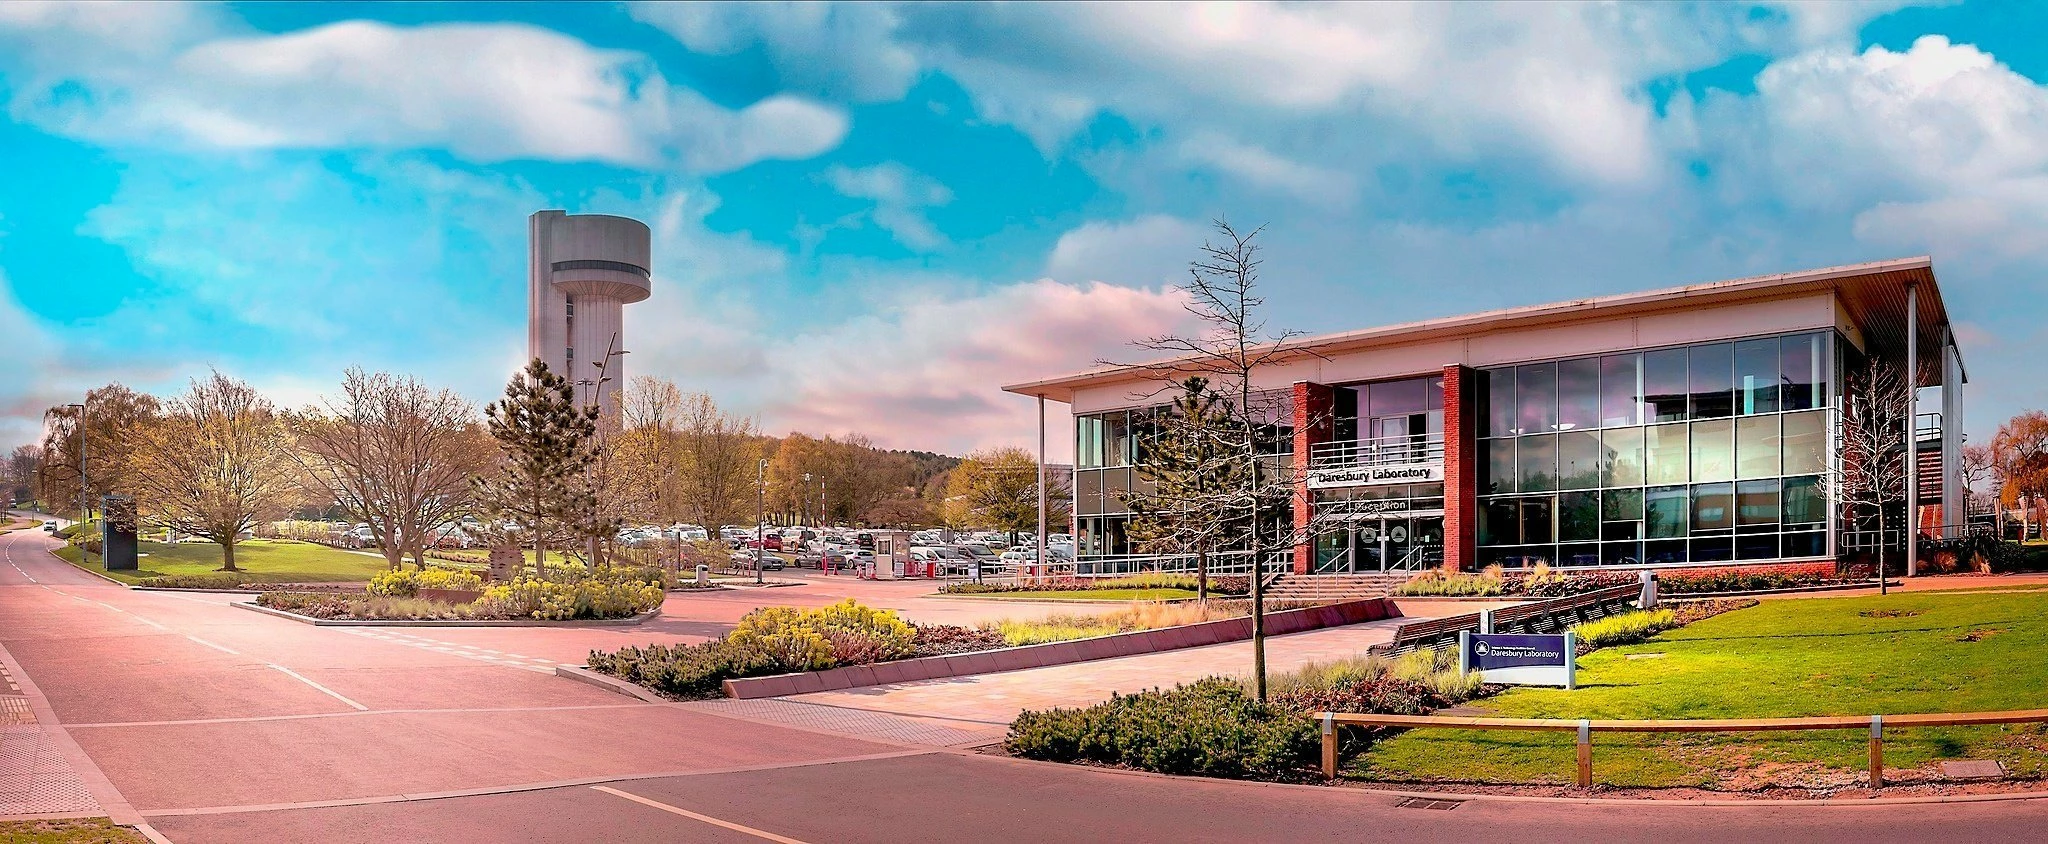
[548, 443]
[1191, 469]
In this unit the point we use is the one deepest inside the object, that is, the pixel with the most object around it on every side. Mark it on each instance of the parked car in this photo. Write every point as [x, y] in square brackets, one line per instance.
[770, 542]
[49, 527]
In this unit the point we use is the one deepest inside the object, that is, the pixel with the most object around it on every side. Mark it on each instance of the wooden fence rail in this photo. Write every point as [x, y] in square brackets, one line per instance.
[1587, 727]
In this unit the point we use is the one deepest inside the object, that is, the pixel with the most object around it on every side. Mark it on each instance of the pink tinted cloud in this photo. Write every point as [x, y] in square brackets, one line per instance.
[929, 374]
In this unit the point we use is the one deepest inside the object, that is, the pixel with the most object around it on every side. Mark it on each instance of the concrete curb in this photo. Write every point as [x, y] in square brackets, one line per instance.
[512, 622]
[1060, 653]
[1001, 599]
[608, 682]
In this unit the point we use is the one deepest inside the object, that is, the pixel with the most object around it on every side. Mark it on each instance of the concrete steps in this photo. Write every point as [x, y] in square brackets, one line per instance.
[1333, 588]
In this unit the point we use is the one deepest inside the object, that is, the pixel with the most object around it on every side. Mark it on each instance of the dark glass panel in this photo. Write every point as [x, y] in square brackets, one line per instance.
[1665, 511]
[1088, 492]
[1578, 516]
[1116, 440]
[1803, 380]
[1536, 521]
[1399, 397]
[1578, 394]
[1621, 505]
[1756, 376]
[1587, 554]
[1664, 552]
[1500, 522]
[1499, 395]
[1664, 390]
[1756, 502]
[1713, 507]
[1711, 381]
[1621, 553]
[1759, 547]
[1713, 549]
[1806, 544]
[1536, 398]
[1578, 460]
[1499, 468]
[1536, 457]
[1805, 503]
[1621, 393]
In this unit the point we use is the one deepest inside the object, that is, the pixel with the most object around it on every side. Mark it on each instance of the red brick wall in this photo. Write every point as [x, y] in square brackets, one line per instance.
[1461, 481]
[1314, 425]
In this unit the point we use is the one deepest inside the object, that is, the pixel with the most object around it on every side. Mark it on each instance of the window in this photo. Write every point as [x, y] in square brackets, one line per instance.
[1756, 376]
[1664, 454]
[1116, 440]
[1803, 376]
[1578, 394]
[1088, 445]
[1756, 504]
[1578, 460]
[1536, 524]
[1578, 516]
[1500, 522]
[1806, 442]
[1537, 458]
[1621, 390]
[1621, 457]
[1088, 492]
[1664, 385]
[1713, 450]
[1805, 504]
[1500, 466]
[1756, 447]
[1713, 507]
[1664, 511]
[1710, 381]
[1536, 398]
[1500, 402]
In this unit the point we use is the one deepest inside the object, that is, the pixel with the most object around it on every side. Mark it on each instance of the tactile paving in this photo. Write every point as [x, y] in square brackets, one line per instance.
[35, 778]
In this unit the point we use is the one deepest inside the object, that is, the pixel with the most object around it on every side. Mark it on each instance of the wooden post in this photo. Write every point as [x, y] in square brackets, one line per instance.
[1585, 753]
[1329, 741]
[1877, 751]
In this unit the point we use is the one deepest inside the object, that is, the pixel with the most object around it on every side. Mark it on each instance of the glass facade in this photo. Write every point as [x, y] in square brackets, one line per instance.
[1108, 446]
[1704, 453]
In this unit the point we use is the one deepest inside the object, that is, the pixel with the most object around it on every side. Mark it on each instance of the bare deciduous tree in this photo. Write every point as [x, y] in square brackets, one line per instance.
[217, 463]
[394, 455]
[1871, 484]
[1222, 288]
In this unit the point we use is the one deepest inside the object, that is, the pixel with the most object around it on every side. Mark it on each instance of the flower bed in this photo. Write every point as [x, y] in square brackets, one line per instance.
[1228, 585]
[523, 598]
[1541, 582]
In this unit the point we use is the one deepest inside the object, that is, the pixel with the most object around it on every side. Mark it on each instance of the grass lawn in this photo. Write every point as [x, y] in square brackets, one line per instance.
[70, 831]
[261, 561]
[1906, 653]
[1121, 595]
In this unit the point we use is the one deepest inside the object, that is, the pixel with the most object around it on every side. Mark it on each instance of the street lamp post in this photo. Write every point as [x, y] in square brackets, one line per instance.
[84, 499]
[760, 517]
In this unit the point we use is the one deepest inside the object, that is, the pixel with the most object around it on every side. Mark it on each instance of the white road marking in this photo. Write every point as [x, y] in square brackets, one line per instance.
[31, 578]
[748, 830]
[225, 650]
[330, 692]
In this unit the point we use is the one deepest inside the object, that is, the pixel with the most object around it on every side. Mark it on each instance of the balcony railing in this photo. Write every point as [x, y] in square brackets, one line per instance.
[1383, 451]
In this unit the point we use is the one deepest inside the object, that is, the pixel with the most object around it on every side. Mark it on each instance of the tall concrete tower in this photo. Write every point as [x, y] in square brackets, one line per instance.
[581, 268]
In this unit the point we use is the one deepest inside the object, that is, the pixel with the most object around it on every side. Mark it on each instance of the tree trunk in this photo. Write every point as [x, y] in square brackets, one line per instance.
[1202, 575]
[227, 553]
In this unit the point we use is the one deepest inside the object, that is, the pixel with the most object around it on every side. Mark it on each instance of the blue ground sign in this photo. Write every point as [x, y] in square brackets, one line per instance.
[1522, 658]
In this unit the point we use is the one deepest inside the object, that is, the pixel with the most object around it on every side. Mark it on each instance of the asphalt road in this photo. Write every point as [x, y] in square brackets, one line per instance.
[212, 723]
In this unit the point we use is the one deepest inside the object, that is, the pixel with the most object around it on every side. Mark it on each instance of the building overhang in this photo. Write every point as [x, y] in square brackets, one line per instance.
[1872, 294]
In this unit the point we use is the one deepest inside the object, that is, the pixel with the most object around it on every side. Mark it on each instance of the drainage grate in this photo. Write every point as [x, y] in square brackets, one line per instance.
[1428, 803]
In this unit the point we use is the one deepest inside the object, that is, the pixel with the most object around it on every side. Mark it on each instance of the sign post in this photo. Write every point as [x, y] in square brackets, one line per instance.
[1524, 659]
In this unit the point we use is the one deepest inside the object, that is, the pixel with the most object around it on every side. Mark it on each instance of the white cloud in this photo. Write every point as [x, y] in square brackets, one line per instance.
[901, 197]
[1262, 169]
[485, 92]
[868, 64]
[1147, 250]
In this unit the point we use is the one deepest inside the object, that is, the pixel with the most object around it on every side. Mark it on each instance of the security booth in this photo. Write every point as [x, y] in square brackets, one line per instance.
[892, 554]
[117, 533]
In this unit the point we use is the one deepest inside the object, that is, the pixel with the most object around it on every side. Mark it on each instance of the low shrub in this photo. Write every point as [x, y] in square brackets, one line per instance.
[1145, 580]
[405, 584]
[220, 580]
[691, 672]
[1062, 627]
[1210, 727]
[1737, 580]
[1412, 684]
[526, 597]
[1437, 582]
[1625, 629]
[949, 639]
[1688, 612]
[1559, 585]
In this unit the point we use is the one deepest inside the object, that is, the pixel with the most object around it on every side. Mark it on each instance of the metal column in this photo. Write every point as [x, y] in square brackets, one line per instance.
[1912, 525]
[1041, 484]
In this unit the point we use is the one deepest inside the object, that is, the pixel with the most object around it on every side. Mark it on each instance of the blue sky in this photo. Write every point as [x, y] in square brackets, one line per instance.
[868, 217]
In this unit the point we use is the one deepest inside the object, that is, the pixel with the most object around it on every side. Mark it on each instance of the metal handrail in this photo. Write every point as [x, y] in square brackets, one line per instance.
[1417, 557]
[1586, 727]
[1381, 451]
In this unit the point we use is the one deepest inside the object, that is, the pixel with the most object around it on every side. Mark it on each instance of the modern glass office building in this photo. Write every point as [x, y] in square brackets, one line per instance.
[1689, 426]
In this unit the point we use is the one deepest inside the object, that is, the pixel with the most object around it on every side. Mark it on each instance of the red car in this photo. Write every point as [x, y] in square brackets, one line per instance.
[774, 543]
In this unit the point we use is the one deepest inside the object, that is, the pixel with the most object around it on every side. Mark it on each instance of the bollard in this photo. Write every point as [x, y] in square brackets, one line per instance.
[1329, 746]
[1877, 751]
[1585, 753]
